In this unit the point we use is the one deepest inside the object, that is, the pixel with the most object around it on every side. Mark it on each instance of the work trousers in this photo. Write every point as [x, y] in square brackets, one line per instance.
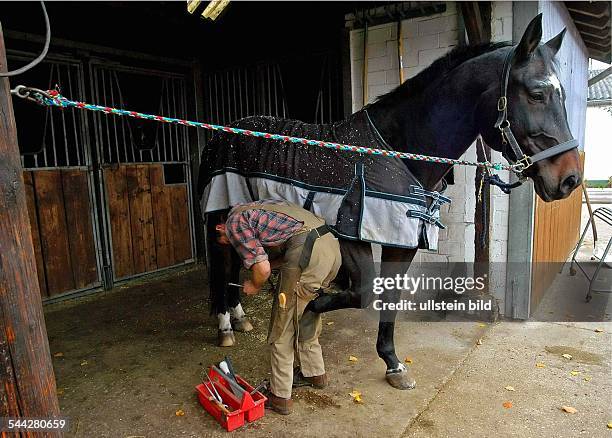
[292, 343]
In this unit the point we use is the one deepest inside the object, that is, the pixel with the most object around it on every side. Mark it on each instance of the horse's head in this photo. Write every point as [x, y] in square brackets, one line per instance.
[536, 115]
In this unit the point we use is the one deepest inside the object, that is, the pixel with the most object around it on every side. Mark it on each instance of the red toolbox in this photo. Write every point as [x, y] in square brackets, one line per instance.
[248, 407]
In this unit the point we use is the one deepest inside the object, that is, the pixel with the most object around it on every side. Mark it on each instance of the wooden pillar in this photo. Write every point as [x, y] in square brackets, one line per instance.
[477, 18]
[27, 383]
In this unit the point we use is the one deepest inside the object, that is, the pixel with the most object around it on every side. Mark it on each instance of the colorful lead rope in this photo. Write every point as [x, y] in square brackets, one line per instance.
[54, 98]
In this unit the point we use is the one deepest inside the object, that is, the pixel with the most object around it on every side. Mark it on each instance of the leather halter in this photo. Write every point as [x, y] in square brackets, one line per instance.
[522, 160]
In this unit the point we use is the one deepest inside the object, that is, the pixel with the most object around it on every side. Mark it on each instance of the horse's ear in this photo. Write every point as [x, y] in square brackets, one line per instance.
[555, 43]
[530, 40]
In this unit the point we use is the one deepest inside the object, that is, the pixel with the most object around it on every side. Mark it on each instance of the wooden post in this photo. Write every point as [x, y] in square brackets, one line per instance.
[476, 17]
[27, 383]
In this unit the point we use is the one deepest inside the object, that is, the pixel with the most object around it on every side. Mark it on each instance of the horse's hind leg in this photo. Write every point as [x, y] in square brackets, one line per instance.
[239, 320]
[218, 260]
[358, 261]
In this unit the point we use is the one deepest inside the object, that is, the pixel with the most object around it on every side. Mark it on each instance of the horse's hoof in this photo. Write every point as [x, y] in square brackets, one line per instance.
[226, 338]
[401, 378]
[242, 325]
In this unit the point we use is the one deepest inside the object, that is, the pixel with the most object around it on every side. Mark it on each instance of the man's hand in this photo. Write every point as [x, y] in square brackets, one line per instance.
[249, 288]
[260, 274]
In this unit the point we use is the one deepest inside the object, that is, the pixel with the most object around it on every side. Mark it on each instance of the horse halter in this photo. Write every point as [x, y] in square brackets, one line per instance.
[523, 161]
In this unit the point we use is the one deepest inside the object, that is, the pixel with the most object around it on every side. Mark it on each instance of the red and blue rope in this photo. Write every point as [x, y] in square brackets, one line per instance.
[54, 98]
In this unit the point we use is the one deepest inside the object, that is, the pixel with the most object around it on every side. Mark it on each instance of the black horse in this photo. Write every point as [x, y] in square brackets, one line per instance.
[440, 112]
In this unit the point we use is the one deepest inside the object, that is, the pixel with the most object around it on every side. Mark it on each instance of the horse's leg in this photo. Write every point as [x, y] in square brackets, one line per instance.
[240, 322]
[394, 261]
[357, 260]
[218, 258]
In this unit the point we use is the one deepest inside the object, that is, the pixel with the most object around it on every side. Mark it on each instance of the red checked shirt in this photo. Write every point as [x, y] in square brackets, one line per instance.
[251, 231]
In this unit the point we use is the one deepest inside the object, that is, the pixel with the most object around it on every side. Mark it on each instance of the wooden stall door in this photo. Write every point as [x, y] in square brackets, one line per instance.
[62, 231]
[149, 220]
[556, 232]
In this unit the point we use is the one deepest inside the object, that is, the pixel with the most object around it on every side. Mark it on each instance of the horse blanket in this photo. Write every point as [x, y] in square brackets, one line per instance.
[363, 197]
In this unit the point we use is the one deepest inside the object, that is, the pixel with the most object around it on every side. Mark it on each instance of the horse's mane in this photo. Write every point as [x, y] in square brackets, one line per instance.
[439, 68]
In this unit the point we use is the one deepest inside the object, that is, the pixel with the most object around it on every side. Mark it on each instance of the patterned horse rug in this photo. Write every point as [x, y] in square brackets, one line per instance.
[363, 197]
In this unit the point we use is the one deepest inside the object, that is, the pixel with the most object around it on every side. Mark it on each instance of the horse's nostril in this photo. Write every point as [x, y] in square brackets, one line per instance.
[570, 183]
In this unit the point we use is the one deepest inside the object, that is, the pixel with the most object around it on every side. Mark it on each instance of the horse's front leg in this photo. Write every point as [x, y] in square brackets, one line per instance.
[394, 261]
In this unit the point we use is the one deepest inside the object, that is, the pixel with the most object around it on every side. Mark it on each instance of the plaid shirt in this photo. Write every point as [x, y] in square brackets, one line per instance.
[251, 231]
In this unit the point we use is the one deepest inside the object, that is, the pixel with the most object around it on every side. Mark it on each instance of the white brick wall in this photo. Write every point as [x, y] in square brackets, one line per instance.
[424, 40]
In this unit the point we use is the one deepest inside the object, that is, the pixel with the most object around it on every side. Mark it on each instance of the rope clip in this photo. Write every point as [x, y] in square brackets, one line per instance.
[30, 93]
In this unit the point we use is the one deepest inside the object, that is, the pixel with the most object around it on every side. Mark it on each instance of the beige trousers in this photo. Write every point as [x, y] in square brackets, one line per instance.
[290, 344]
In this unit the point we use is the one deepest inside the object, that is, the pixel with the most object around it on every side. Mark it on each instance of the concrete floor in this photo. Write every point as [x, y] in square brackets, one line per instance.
[127, 360]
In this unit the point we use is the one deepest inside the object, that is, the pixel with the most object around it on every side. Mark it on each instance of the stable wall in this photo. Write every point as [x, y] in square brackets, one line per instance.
[424, 39]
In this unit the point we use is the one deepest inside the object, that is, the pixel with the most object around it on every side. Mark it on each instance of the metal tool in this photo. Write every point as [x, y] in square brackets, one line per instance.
[229, 376]
[235, 285]
[263, 385]
[230, 366]
[222, 406]
[234, 386]
[218, 397]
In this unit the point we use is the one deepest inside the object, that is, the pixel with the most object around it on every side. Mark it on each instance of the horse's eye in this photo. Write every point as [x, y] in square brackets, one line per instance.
[536, 95]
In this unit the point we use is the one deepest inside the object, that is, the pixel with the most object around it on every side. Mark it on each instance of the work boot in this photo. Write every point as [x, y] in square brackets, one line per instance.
[318, 382]
[226, 338]
[283, 406]
[242, 324]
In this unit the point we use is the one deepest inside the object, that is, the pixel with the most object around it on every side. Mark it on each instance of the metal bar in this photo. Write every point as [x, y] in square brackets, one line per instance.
[230, 110]
[53, 127]
[125, 140]
[104, 120]
[275, 92]
[166, 140]
[59, 78]
[217, 103]
[221, 101]
[164, 143]
[94, 176]
[74, 121]
[183, 129]
[330, 70]
[176, 115]
[158, 145]
[282, 86]
[268, 87]
[240, 92]
[604, 74]
[171, 141]
[246, 90]
[114, 119]
[173, 107]
[36, 169]
[235, 100]
[364, 73]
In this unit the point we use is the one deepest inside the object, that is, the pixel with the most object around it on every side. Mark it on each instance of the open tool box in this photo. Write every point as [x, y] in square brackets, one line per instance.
[240, 400]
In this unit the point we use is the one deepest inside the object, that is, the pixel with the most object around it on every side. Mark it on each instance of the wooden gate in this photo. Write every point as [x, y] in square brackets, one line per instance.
[145, 176]
[59, 184]
[556, 232]
[149, 219]
[112, 208]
